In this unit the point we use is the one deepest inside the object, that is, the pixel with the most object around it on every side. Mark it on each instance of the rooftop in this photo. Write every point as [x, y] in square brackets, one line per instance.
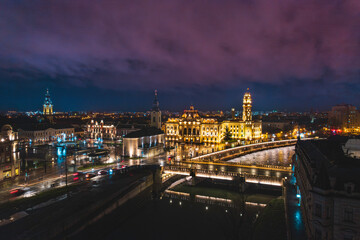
[40, 127]
[329, 161]
[150, 131]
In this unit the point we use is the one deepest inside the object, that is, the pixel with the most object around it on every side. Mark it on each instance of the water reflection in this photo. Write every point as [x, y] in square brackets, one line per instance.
[279, 156]
[224, 214]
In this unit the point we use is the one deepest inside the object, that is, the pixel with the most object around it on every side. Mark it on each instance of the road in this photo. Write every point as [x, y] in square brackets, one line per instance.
[38, 181]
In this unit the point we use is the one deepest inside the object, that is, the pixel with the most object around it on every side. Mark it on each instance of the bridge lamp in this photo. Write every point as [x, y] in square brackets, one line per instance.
[207, 208]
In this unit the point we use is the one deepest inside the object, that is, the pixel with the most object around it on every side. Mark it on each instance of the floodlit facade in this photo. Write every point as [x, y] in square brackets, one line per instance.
[9, 155]
[48, 106]
[345, 117]
[100, 130]
[46, 133]
[192, 128]
[146, 142]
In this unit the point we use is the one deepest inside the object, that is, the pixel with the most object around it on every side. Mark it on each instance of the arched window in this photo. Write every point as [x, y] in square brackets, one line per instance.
[185, 131]
[194, 131]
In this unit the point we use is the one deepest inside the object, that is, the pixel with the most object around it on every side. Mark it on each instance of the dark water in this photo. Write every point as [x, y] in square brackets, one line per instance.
[184, 213]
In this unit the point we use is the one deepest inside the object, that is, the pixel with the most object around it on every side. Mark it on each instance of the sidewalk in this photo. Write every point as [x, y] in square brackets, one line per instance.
[294, 215]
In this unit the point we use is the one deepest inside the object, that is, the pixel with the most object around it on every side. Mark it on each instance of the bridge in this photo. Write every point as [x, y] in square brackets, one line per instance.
[240, 165]
[216, 165]
[234, 152]
[208, 200]
[268, 177]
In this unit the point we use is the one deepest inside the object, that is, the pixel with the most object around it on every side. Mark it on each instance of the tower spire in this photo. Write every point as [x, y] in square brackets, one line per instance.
[156, 102]
[247, 104]
[155, 113]
[48, 106]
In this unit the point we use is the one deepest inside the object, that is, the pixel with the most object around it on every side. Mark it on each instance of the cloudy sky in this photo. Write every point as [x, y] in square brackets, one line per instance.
[111, 55]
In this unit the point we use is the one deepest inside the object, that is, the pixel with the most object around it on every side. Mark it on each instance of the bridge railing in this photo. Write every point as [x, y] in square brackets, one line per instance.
[235, 164]
[177, 168]
[250, 147]
[220, 173]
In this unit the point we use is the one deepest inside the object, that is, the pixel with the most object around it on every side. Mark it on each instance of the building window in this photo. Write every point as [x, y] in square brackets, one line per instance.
[317, 234]
[328, 212]
[318, 210]
[348, 215]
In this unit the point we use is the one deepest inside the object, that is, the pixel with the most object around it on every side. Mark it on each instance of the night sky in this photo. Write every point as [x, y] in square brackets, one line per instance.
[110, 55]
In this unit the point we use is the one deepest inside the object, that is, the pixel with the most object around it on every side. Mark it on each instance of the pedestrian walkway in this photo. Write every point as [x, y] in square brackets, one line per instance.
[294, 215]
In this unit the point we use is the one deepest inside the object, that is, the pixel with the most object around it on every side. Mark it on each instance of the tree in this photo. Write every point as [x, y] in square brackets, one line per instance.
[227, 135]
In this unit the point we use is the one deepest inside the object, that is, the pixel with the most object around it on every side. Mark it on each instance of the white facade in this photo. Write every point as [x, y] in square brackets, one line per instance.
[145, 146]
[97, 130]
[49, 134]
[156, 119]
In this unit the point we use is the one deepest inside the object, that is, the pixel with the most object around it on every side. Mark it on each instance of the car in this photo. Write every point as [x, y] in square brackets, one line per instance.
[90, 175]
[78, 175]
[17, 192]
[102, 172]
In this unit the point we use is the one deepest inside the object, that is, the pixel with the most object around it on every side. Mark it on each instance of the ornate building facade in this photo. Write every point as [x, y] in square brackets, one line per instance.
[190, 127]
[48, 106]
[100, 130]
[45, 133]
[9, 154]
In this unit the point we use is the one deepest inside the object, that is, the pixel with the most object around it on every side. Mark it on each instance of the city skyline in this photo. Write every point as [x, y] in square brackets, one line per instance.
[137, 119]
[294, 56]
[62, 104]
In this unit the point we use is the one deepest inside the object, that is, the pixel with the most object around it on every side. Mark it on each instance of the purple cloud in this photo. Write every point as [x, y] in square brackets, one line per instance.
[166, 44]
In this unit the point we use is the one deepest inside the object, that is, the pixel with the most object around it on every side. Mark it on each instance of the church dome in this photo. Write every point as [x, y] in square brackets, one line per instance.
[6, 128]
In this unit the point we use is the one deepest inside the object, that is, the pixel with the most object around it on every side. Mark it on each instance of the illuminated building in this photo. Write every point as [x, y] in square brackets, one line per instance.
[100, 130]
[44, 133]
[345, 117]
[9, 155]
[190, 127]
[155, 113]
[247, 104]
[48, 106]
[146, 142]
